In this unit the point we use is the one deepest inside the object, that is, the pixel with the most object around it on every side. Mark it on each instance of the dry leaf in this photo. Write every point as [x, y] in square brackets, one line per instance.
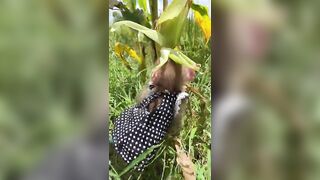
[185, 162]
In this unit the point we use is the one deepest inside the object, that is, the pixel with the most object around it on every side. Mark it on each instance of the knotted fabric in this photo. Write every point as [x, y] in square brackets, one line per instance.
[137, 129]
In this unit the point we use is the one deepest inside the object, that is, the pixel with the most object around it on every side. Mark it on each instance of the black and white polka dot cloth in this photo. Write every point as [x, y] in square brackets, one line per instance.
[137, 129]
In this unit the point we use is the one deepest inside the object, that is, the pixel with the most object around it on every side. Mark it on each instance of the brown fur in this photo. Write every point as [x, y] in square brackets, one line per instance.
[172, 77]
[168, 77]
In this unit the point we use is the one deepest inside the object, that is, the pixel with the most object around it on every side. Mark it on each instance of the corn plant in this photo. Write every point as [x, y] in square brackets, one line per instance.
[168, 28]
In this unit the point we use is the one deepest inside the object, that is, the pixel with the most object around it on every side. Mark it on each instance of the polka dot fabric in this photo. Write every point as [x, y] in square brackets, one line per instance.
[136, 129]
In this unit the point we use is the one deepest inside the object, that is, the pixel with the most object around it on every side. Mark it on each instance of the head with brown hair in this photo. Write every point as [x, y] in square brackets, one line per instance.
[172, 77]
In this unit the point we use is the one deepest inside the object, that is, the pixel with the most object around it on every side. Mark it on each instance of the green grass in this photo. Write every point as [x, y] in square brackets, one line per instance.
[125, 85]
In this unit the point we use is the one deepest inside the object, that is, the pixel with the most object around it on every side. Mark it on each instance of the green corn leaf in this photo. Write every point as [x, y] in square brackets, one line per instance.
[184, 60]
[164, 56]
[138, 159]
[173, 10]
[172, 20]
[152, 34]
[178, 57]
[169, 25]
[143, 5]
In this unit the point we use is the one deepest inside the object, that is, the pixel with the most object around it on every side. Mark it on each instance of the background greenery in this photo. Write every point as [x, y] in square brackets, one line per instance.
[52, 54]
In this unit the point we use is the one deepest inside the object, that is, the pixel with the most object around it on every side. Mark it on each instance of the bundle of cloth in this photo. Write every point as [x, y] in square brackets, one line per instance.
[137, 129]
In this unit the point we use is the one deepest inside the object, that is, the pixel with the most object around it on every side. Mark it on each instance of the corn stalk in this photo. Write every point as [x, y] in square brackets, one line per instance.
[153, 5]
[165, 4]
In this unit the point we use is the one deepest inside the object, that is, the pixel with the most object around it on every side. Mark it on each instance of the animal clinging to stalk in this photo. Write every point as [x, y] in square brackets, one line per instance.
[171, 77]
[155, 116]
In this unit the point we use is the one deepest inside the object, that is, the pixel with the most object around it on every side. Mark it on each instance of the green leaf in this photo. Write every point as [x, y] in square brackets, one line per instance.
[209, 164]
[143, 5]
[177, 57]
[171, 22]
[199, 8]
[139, 158]
[173, 10]
[152, 34]
[192, 135]
[113, 173]
[180, 58]
[164, 56]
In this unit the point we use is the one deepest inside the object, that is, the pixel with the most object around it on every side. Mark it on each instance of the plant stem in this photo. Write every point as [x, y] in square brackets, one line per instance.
[154, 11]
[165, 4]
